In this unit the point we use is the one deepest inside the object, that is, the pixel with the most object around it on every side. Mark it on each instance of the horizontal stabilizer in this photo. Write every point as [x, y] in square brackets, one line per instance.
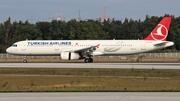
[161, 44]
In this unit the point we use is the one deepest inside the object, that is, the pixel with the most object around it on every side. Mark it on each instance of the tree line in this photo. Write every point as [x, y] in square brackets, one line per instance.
[11, 32]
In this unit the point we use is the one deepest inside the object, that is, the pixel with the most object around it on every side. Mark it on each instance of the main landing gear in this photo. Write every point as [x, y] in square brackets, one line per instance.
[88, 60]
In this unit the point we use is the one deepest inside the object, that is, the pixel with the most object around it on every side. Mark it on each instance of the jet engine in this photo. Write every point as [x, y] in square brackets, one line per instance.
[69, 56]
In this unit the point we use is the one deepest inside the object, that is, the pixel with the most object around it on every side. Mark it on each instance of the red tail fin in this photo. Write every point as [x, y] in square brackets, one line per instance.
[160, 32]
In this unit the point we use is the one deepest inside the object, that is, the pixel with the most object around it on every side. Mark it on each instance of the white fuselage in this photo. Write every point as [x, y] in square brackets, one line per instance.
[104, 47]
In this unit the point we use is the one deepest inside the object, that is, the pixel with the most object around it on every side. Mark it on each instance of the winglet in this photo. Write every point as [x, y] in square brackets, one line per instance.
[160, 32]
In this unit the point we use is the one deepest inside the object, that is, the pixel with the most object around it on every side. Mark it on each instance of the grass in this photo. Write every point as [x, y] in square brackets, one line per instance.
[77, 80]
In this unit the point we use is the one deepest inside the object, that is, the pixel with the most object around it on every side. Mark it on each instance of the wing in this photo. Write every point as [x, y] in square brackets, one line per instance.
[91, 49]
[88, 51]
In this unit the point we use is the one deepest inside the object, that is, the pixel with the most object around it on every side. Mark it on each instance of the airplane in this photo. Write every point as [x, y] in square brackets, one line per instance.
[86, 49]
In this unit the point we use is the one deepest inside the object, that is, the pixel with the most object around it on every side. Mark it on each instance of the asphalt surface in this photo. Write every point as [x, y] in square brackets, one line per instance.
[92, 96]
[93, 65]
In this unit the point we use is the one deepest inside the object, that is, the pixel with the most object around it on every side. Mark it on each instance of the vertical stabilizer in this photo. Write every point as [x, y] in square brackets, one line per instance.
[160, 32]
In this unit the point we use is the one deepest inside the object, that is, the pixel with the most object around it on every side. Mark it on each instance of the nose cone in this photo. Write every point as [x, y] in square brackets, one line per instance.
[8, 50]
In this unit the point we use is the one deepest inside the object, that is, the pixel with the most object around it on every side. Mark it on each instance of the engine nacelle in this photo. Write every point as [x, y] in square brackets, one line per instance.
[69, 56]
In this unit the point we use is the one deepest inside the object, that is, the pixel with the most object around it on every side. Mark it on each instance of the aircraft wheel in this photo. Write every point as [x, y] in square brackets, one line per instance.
[25, 61]
[88, 60]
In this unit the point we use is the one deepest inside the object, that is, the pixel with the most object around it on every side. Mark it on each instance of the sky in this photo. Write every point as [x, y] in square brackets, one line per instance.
[46, 10]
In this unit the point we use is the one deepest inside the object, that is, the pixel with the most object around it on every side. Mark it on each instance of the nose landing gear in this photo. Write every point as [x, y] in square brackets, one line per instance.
[25, 60]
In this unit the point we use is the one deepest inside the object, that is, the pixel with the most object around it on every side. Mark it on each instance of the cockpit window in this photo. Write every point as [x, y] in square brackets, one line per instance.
[14, 45]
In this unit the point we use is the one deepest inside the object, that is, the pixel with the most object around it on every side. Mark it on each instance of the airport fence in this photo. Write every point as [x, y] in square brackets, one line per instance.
[148, 55]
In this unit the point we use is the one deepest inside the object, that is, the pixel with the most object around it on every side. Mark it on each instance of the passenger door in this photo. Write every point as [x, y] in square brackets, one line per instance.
[23, 46]
[143, 45]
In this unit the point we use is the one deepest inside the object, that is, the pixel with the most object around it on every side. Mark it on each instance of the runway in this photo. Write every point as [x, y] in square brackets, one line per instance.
[93, 65]
[91, 96]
